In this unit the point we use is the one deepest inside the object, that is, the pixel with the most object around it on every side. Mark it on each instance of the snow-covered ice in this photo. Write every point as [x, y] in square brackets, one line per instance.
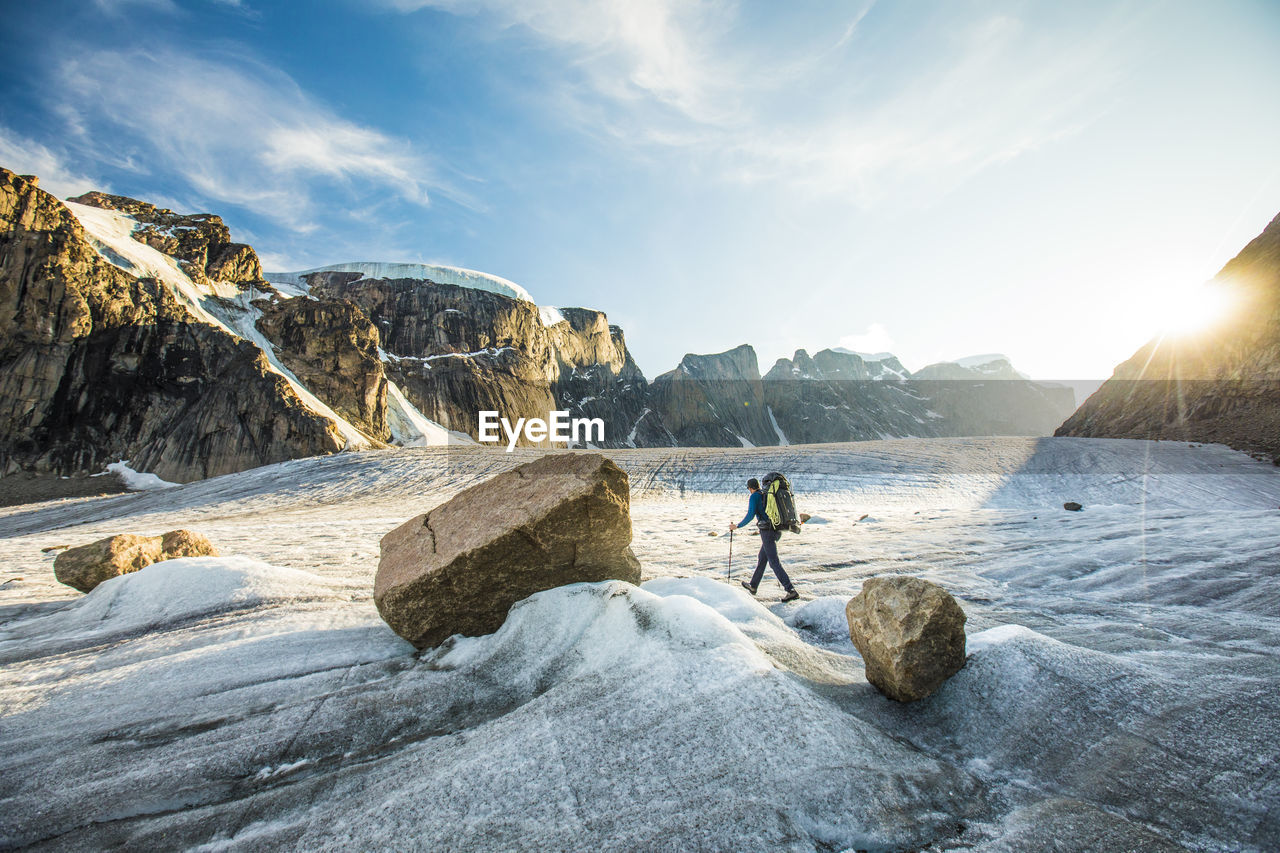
[137, 481]
[410, 428]
[1120, 691]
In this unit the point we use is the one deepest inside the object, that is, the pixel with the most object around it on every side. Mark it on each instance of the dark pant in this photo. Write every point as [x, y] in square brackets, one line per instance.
[769, 554]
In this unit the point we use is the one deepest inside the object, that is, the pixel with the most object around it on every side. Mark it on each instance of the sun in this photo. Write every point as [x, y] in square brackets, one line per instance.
[1190, 309]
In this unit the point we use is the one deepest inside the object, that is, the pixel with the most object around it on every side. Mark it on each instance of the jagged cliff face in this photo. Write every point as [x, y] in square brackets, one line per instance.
[98, 365]
[838, 396]
[1219, 385]
[455, 351]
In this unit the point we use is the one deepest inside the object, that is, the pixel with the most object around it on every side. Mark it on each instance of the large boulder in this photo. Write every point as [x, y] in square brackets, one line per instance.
[89, 565]
[910, 633]
[458, 569]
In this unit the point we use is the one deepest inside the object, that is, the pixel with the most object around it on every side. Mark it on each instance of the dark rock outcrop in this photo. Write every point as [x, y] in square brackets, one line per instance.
[87, 566]
[1221, 384]
[97, 365]
[910, 633]
[458, 569]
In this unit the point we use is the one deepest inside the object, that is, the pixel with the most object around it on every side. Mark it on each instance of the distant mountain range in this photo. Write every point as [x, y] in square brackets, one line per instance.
[132, 332]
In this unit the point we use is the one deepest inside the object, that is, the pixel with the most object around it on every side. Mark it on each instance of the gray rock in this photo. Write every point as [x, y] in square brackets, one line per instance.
[458, 569]
[910, 633]
[1072, 506]
[89, 565]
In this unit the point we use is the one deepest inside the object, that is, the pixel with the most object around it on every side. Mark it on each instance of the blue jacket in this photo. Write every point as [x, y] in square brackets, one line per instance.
[755, 508]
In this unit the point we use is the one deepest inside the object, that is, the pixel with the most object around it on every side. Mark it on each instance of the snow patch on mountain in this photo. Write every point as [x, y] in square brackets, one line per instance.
[782, 438]
[137, 481]
[410, 428]
[416, 272]
[111, 234]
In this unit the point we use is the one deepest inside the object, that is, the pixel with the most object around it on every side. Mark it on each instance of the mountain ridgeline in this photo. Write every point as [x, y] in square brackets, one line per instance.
[132, 332]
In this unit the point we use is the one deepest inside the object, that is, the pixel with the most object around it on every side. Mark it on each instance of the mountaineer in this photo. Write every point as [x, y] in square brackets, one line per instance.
[769, 536]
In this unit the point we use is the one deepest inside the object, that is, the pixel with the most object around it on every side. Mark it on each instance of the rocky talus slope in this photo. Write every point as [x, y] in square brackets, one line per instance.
[1221, 384]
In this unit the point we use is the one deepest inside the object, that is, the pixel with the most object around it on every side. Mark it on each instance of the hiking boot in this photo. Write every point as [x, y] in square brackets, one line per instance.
[748, 587]
[791, 595]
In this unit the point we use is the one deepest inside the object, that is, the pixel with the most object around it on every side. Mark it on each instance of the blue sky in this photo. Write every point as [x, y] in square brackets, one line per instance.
[936, 179]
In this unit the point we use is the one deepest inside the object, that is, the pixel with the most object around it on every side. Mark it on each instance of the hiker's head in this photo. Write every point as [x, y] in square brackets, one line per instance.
[753, 484]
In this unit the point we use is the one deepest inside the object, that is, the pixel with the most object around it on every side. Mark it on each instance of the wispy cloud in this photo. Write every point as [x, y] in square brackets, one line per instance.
[657, 49]
[119, 7]
[1000, 92]
[810, 104]
[238, 131]
[26, 156]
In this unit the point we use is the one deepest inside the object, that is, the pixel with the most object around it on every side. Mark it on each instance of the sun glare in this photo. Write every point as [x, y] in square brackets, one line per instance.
[1190, 309]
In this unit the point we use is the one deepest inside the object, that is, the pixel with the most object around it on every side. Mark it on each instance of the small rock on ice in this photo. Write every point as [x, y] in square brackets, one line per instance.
[910, 633]
[89, 565]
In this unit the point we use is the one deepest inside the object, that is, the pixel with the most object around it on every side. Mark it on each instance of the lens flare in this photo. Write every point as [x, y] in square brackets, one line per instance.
[1192, 309]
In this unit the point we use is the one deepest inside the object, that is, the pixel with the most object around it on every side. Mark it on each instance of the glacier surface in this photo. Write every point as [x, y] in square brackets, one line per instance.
[1119, 693]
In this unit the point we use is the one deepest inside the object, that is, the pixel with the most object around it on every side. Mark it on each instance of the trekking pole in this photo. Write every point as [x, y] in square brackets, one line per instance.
[730, 555]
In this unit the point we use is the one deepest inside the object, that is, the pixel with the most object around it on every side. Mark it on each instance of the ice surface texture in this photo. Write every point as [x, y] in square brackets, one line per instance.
[1120, 690]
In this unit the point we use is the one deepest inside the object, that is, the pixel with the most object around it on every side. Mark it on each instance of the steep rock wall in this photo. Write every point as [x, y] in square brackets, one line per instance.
[97, 365]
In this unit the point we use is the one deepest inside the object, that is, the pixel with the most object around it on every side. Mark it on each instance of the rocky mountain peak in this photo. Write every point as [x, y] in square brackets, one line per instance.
[738, 363]
[989, 366]
[1256, 269]
[98, 365]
